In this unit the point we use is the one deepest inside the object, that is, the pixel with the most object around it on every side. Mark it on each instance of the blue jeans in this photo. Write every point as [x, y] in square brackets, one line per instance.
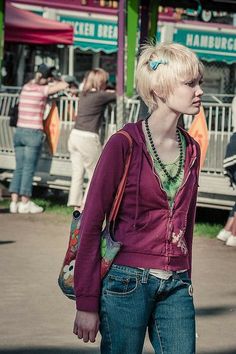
[132, 301]
[27, 143]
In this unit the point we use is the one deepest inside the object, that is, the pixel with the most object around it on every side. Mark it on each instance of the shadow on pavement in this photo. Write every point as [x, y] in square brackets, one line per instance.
[223, 351]
[6, 242]
[4, 211]
[214, 311]
[44, 350]
[85, 351]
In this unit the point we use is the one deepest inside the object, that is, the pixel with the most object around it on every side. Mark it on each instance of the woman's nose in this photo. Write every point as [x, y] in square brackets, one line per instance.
[199, 91]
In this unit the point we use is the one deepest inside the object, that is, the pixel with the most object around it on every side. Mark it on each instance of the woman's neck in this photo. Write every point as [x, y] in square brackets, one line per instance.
[163, 124]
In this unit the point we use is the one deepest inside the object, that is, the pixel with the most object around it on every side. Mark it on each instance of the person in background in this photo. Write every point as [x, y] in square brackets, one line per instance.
[233, 105]
[149, 283]
[29, 136]
[73, 89]
[84, 142]
[69, 110]
[228, 233]
[81, 84]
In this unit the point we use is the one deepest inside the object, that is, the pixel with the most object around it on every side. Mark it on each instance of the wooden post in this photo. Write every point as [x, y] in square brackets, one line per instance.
[2, 8]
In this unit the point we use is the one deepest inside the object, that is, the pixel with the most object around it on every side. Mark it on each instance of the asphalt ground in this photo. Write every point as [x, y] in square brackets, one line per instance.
[36, 318]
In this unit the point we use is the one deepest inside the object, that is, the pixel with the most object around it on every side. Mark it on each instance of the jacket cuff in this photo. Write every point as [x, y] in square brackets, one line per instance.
[87, 303]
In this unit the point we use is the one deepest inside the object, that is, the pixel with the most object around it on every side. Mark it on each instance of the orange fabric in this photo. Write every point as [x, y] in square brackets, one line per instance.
[52, 128]
[198, 130]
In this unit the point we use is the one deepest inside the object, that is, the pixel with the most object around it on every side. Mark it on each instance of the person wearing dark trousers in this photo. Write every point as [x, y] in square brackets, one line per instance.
[228, 233]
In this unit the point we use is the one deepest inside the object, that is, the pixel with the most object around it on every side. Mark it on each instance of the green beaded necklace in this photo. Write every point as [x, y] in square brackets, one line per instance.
[170, 178]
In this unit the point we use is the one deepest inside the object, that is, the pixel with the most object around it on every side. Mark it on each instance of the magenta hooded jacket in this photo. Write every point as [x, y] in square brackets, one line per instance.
[152, 234]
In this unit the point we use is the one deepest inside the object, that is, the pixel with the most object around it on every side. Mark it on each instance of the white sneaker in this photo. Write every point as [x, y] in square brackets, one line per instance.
[29, 207]
[13, 207]
[223, 235]
[231, 241]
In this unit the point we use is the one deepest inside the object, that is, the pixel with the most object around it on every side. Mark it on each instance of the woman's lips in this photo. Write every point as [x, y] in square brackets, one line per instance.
[197, 103]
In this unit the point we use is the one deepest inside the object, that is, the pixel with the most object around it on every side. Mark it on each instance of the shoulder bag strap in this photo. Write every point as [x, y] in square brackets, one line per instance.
[121, 187]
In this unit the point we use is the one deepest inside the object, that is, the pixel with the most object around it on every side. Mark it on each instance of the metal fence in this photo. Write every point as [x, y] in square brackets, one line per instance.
[68, 109]
[55, 171]
[218, 117]
[219, 123]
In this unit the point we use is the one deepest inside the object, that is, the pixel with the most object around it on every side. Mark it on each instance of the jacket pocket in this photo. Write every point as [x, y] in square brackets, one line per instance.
[139, 224]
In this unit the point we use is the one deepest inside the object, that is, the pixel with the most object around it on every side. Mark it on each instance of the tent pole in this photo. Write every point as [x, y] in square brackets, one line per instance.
[132, 31]
[71, 60]
[120, 64]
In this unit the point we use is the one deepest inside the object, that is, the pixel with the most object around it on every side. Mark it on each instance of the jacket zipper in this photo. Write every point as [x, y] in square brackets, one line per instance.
[155, 174]
[171, 209]
[185, 181]
[183, 184]
[187, 175]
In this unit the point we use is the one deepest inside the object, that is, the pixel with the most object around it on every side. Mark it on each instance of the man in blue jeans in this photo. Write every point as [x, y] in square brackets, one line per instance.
[29, 136]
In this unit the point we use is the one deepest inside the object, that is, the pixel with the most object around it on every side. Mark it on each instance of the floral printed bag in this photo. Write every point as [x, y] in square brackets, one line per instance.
[109, 247]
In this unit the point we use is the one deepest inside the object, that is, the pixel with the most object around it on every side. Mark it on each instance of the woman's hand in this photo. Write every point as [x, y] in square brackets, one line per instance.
[86, 325]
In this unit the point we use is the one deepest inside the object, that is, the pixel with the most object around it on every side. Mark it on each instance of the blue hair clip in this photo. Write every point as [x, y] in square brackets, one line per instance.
[155, 63]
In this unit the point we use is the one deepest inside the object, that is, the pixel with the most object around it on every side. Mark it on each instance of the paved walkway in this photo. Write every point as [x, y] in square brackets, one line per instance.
[36, 318]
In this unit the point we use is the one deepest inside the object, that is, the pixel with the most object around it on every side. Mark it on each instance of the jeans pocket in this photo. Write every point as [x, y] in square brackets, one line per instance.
[43, 138]
[186, 281]
[120, 285]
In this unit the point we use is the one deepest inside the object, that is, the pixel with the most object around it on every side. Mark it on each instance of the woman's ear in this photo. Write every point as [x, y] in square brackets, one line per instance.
[157, 96]
[154, 93]
[162, 99]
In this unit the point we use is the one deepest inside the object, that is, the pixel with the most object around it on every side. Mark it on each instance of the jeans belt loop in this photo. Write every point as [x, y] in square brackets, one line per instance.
[175, 275]
[145, 276]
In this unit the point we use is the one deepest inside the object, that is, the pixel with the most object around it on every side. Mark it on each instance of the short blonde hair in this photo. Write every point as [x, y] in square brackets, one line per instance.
[177, 63]
[95, 79]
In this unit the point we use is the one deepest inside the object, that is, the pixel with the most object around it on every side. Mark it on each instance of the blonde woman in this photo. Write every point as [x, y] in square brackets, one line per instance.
[84, 142]
[149, 284]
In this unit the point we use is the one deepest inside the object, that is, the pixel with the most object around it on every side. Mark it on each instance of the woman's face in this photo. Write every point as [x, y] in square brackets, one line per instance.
[45, 81]
[186, 96]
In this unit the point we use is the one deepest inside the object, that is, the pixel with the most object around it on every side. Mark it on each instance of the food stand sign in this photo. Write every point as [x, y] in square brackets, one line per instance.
[97, 34]
[209, 45]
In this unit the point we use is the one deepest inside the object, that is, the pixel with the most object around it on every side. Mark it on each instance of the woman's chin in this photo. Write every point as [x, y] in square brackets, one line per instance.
[194, 110]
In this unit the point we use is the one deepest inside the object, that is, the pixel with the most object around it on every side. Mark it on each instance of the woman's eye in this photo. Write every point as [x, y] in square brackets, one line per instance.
[190, 83]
